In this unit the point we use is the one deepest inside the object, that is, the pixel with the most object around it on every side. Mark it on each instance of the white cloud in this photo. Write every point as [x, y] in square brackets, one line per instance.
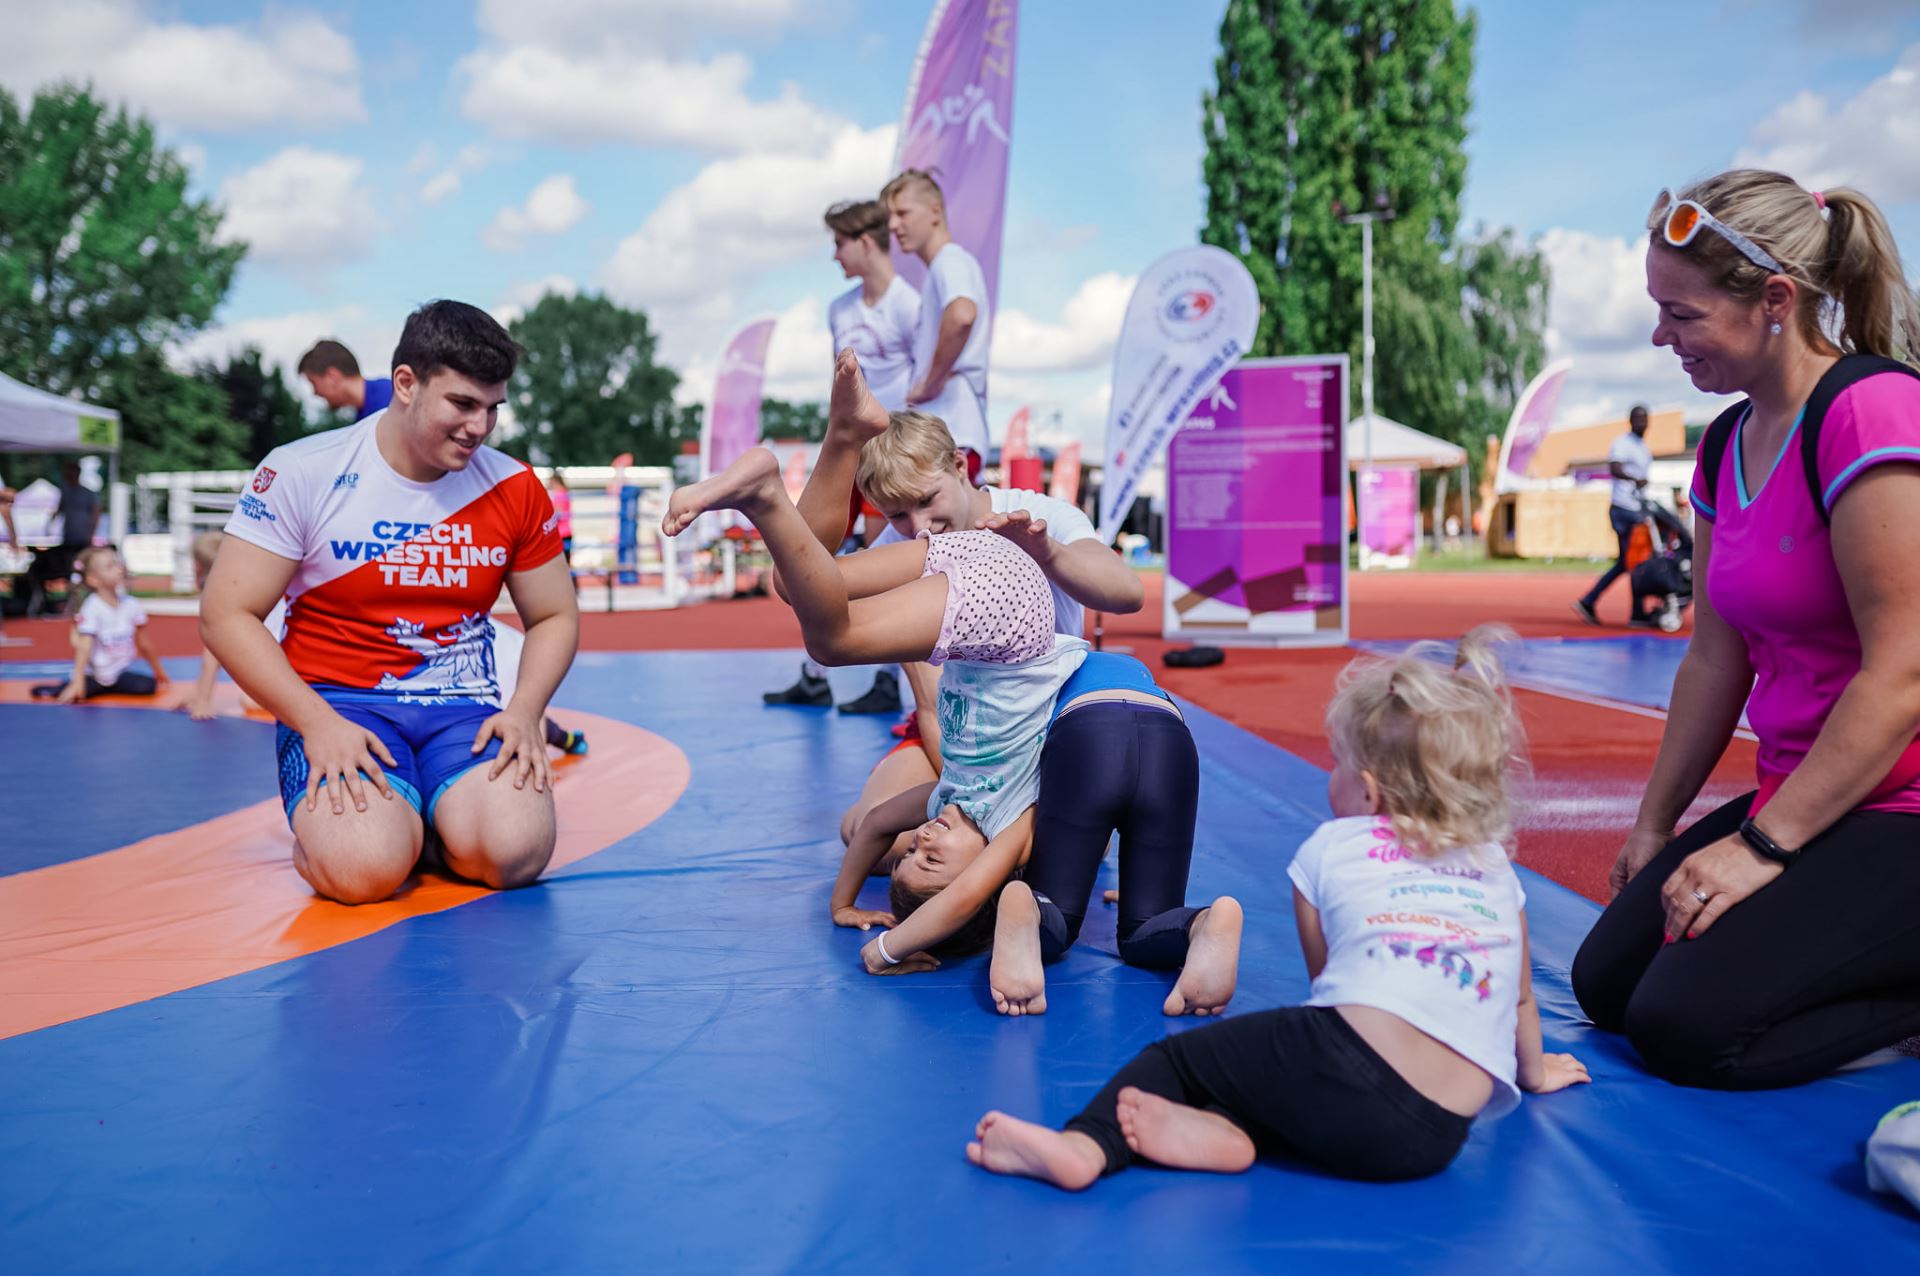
[522, 297]
[586, 71]
[552, 208]
[301, 208]
[689, 263]
[1599, 315]
[446, 182]
[1871, 140]
[1083, 337]
[290, 67]
[425, 156]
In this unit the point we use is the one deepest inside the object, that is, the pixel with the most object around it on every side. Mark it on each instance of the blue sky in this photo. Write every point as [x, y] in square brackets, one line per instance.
[677, 154]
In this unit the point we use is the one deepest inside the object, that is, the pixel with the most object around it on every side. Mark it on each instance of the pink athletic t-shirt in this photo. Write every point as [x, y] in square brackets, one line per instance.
[1773, 578]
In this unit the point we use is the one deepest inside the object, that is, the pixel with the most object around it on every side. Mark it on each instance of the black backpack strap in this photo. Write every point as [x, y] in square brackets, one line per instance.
[1850, 368]
[1713, 449]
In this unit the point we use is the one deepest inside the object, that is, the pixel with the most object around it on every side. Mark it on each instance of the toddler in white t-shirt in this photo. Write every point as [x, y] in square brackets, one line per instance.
[1421, 1015]
[109, 630]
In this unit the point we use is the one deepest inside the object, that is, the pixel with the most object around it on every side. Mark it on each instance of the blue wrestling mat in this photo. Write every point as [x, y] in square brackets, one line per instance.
[666, 1059]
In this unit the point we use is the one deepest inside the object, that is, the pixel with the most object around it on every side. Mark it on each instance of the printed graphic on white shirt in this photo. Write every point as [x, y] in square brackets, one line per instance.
[395, 579]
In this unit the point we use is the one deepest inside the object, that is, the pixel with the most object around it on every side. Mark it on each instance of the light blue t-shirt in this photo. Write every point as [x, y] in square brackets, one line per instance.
[993, 724]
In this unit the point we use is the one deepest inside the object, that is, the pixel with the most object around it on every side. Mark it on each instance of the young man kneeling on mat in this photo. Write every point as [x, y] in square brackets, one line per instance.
[392, 539]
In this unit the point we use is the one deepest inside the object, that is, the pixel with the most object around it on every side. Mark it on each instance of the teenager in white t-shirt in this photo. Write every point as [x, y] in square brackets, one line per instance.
[109, 631]
[875, 320]
[1421, 1015]
[956, 322]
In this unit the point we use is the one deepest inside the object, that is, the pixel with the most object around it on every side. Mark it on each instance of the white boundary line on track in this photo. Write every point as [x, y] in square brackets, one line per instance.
[1601, 702]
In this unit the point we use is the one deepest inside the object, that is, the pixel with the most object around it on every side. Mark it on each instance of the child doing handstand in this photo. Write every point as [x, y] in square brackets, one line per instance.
[971, 601]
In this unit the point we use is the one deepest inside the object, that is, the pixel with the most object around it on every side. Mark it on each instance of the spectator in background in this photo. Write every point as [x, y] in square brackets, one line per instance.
[1628, 462]
[334, 374]
[950, 344]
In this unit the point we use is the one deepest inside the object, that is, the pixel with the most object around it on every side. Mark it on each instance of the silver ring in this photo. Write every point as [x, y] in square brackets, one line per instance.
[1702, 896]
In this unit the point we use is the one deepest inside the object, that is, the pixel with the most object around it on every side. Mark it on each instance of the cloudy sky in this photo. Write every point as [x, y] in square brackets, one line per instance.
[677, 155]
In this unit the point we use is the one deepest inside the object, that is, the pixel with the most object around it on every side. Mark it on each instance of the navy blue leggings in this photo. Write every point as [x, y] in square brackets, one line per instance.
[1117, 766]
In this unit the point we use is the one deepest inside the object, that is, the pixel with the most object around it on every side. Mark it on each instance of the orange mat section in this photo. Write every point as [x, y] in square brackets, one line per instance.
[221, 898]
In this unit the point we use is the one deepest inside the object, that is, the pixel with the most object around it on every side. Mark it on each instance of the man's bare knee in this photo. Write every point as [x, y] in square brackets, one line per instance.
[498, 864]
[356, 857]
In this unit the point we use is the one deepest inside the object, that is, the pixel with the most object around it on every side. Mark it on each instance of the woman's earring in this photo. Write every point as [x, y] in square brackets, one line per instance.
[1776, 328]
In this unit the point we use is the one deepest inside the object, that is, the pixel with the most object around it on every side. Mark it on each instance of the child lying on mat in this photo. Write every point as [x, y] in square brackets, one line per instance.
[1412, 923]
[109, 630]
[971, 601]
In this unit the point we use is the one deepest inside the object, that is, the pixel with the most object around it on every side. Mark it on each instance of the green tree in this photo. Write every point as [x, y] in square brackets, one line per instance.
[588, 387]
[1327, 107]
[780, 419]
[259, 399]
[104, 263]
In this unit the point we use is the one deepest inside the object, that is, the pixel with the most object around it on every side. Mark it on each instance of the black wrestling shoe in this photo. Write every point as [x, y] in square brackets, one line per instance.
[810, 692]
[882, 697]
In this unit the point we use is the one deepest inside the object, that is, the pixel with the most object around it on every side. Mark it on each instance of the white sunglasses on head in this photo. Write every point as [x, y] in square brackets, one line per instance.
[1681, 220]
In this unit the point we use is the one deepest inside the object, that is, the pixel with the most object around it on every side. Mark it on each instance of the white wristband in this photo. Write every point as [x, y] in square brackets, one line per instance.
[881, 941]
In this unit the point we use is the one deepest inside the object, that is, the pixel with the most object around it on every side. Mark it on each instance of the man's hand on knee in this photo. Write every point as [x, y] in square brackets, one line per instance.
[523, 750]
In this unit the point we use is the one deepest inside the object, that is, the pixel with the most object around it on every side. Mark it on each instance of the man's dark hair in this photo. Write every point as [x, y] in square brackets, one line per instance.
[326, 356]
[452, 334]
[856, 217]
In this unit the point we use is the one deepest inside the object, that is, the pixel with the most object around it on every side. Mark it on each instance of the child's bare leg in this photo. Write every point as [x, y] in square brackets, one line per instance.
[1017, 978]
[1179, 1137]
[902, 623]
[1008, 1145]
[853, 417]
[1207, 980]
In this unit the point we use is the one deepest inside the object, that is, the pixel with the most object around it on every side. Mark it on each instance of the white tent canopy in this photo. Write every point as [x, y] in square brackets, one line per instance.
[1400, 445]
[34, 421]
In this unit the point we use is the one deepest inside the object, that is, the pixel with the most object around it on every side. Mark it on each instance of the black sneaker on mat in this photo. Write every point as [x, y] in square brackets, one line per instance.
[812, 692]
[882, 697]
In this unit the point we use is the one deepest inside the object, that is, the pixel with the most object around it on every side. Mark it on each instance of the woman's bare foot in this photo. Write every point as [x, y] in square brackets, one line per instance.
[1213, 961]
[741, 486]
[851, 403]
[1008, 1145]
[1179, 1137]
[1018, 980]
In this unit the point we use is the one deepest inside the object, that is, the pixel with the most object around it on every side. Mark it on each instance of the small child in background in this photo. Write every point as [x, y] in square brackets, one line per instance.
[109, 630]
[1421, 1015]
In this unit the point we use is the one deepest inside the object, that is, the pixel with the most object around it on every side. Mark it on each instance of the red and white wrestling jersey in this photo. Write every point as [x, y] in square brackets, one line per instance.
[396, 578]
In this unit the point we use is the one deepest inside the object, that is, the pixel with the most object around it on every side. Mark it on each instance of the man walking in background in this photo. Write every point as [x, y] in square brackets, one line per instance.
[1628, 461]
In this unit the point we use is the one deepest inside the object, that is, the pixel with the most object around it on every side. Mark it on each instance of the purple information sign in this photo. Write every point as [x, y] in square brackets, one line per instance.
[1256, 508]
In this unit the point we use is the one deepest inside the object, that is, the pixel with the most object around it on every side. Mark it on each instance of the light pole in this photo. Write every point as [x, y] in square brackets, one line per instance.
[1366, 221]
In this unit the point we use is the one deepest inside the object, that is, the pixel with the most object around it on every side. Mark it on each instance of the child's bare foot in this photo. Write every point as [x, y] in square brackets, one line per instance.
[1018, 980]
[740, 486]
[851, 403]
[1213, 962]
[1179, 1137]
[1008, 1145]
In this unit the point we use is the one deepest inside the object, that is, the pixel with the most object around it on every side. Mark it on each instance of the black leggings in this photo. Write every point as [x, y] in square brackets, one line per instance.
[1118, 765]
[127, 684]
[1819, 967]
[1301, 1082]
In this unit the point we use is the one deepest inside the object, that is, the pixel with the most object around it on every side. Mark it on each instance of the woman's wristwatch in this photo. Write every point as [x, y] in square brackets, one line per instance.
[1763, 845]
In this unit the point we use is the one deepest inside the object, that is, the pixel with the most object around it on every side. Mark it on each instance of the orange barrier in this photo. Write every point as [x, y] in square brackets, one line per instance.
[221, 898]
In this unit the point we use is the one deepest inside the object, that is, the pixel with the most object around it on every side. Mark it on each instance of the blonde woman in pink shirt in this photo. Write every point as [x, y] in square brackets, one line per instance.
[1777, 938]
